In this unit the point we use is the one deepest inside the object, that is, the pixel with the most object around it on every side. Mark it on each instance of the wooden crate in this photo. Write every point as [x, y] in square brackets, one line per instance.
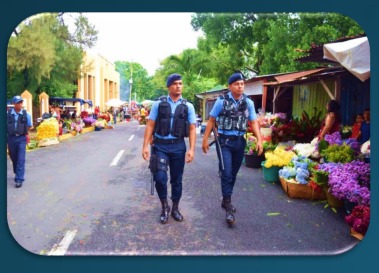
[301, 191]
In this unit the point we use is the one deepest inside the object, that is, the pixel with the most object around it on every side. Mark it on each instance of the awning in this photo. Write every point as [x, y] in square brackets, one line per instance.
[353, 54]
[60, 100]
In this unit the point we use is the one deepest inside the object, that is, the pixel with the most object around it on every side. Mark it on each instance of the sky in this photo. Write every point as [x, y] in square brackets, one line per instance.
[145, 38]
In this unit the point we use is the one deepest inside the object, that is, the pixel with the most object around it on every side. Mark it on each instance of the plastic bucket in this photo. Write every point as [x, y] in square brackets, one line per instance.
[266, 134]
[270, 174]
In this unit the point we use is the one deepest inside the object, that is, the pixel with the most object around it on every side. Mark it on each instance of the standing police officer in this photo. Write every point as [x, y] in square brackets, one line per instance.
[171, 119]
[232, 110]
[18, 124]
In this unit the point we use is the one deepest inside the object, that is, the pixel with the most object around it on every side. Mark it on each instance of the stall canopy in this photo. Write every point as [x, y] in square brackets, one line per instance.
[353, 54]
[56, 100]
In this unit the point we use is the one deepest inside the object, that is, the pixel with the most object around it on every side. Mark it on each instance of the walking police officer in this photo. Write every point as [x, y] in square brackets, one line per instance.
[232, 111]
[18, 124]
[171, 119]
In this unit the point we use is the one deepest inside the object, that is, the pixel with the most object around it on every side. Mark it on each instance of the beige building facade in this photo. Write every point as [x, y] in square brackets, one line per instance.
[99, 82]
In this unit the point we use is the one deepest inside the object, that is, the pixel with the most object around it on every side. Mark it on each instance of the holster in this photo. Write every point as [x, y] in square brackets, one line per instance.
[157, 163]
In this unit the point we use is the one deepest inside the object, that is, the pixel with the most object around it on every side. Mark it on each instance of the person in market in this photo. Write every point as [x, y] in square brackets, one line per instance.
[356, 128]
[241, 109]
[364, 133]
[166, 133]
[332, 120]
[19, 122]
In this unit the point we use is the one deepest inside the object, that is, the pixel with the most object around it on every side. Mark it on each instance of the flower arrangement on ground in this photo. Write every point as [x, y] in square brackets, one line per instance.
[89, 121]
[77, 125]
[49, 128]
[359, 218]
[298, 170]
[251, 145]
[100, 123]
[278, 157]
[349, 181]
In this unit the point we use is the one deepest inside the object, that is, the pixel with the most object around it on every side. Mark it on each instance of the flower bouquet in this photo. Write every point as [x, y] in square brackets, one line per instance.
[349, 181]
[89, 121]
[252, 159]
[359, 219]
[77, 125]
[296, 179]
[275, 160]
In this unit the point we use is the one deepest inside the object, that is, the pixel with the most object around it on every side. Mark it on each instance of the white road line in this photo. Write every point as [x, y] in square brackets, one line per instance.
[117, 158]
[131, 137]
[61, 248]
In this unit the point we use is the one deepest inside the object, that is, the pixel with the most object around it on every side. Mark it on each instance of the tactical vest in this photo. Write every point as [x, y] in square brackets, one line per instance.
[21, 128]
[233, 117]
[180, 124]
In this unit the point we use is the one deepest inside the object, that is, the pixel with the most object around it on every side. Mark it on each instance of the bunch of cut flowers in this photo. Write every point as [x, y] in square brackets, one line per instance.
[267, 119]
[359, 218]
[349, 181]
[279, 157]
[77, 125]
[89, 121]
[298, 170]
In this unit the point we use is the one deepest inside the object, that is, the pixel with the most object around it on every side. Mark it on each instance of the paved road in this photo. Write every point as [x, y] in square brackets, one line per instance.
[75, 197]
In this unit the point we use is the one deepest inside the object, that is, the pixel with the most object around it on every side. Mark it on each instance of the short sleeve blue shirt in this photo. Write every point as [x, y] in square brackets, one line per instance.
[28, 118]
[154, 113]
[218, 107]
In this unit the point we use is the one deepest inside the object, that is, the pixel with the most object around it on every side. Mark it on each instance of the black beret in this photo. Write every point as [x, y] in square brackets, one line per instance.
[235, 77]
[172, 78]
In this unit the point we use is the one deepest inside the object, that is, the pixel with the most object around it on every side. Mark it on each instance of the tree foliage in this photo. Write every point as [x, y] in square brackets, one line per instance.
[43, 55]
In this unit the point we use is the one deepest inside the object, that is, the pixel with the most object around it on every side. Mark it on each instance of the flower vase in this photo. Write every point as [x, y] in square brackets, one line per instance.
[266, 134]
[332, 200]
[270, 174]
[253, 160]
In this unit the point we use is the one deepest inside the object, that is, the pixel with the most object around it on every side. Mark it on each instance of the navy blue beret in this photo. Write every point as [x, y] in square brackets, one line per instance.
[172, 78]
[235, 77]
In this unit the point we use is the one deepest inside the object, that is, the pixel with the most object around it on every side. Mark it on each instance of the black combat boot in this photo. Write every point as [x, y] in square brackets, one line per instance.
[224, 206]
[165, 211]
[229, 212]
[175, 212]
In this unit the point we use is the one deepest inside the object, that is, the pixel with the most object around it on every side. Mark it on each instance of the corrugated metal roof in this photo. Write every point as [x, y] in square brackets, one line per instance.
[295, 76]
[305, 75]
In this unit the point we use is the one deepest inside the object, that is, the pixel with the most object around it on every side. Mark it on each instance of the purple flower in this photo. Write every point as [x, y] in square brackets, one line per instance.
[350, 181]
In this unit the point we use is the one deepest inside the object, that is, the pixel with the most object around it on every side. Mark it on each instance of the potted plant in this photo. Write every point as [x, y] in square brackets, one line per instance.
[252, 159]
[359, 220]
[349, 182]
[275, 160]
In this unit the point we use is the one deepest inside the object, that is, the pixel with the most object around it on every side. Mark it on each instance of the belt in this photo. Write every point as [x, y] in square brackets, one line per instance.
[230, 137]
[168, 141]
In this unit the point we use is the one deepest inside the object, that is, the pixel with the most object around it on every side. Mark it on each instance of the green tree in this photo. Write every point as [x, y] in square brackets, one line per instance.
[43, 55]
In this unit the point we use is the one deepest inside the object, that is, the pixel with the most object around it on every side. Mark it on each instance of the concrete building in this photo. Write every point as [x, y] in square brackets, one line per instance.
[99, 81]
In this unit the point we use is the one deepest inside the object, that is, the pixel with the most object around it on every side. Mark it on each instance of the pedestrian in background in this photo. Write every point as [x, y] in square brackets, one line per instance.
[332, 120]
[232, 112]
[171, 119]
[19, 122]
[364, 133]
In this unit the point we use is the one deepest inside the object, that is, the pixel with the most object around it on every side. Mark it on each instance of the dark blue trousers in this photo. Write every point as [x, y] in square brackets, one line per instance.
[175, 155]
[17, 151]
[232, 154]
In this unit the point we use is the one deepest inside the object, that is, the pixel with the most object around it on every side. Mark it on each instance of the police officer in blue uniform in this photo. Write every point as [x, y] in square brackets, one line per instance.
[171, 119]
[232, 112]
[18, 124]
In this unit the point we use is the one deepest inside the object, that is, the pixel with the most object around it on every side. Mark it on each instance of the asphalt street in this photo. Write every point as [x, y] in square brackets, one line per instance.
[90, 195]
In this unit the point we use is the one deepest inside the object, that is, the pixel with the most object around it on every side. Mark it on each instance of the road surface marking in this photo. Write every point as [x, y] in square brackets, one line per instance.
[117, 158]
[131, 137]
[61, 248]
